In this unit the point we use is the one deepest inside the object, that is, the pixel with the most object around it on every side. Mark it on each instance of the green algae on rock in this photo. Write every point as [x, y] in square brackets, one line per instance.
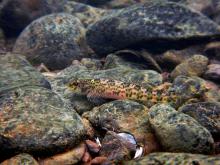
[16, 72]
[194, 66]
[178, 132]
[143, 24]
[174, 158]
[36, 120]
[86, 14]
[124, 116]
[20, 159]
[206, 113]
[54, 40]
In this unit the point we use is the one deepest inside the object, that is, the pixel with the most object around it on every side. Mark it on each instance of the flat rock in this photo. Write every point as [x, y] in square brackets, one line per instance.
[147, 25]
[16, 72]
[36, 120]
[206, 113]
[178, 132]
[54, 40]
[175, 158]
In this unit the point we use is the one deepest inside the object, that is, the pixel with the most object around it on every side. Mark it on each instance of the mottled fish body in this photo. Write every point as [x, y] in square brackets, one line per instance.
[113, 89]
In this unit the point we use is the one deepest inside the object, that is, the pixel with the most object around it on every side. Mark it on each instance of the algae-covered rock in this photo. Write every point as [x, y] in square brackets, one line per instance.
[16, 72]
[124, 116]
[54, 40]
[86, 14]
[20, 159]
[178, 132]
[194, 66]
[206, 113]
[175, 158]
[148, 24]
[36, 120]
[189, 88]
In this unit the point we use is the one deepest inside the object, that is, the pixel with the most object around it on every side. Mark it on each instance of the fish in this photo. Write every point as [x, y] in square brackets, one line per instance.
[119, 90]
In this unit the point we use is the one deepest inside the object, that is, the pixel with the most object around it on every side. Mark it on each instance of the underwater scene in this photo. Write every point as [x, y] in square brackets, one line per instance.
[109, 82]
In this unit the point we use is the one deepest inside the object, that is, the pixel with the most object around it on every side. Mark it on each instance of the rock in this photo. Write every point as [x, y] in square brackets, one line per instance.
[152, 25]
[86, 14]
[124, 59]
[194, 66]
[178, 132]
[16, 72]
[15, 15]
[91, 64]
[36, 120]
[124, 116]
[213, 72]
[174, 158]
[191, 89]
[115, 148]
[73, 156]
[54, 40]
[20, 159]
[206, 113]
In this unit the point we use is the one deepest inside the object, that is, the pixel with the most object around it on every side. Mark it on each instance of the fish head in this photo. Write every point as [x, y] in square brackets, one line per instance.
[74, 85]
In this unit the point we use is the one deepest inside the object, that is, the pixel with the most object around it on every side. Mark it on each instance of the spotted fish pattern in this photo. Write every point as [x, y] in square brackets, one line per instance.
[113, 89]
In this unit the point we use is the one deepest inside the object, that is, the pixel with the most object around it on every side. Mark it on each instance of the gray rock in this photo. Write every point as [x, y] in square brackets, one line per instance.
[36, 120]
[178, 132]
[148, 25]
[174, 158]
[206, 113]
[54, 40]
[16, 72]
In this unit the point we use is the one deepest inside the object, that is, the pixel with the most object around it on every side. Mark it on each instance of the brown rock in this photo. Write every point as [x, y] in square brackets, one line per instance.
[70, 157]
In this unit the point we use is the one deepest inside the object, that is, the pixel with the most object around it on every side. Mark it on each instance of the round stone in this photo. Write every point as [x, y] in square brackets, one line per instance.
[54, 40]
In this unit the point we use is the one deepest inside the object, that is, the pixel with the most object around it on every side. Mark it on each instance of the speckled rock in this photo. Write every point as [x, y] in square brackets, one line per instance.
[86, 14]
[124, 116]
[148, 25]
[213, 72]
[16, 72]
[189, 88]
[175, 158]
[194, 66]
[206, 113]
[79, 102]
[54, 40]
[73, 156]
[38, 121]
[20, 159]
[178, 132]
